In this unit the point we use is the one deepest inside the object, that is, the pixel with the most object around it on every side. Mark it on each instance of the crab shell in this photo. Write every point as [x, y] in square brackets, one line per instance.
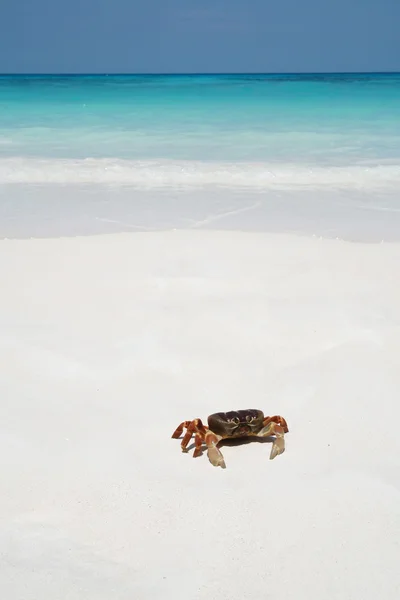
[236, 423]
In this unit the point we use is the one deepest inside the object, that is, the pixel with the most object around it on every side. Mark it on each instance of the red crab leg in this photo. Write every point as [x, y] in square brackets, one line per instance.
[197, 427]
[199, 443]
[179, 430]
[187, 437]
[277, 419]
[192, 427]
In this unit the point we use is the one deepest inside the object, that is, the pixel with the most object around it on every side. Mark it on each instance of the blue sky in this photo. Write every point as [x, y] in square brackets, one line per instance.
[168, 36]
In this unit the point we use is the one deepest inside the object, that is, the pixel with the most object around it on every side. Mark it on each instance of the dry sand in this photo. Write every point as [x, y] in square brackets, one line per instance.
[108, 342]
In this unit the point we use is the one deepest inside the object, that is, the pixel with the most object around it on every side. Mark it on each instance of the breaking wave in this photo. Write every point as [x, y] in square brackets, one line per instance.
[153, 174]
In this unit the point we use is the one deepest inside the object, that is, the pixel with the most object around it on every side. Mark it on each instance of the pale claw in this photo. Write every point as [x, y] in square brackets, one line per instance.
[278, 447]
[215, 457]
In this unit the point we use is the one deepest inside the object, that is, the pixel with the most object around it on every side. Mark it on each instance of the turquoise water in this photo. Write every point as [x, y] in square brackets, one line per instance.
[323, 119]
[107, 153]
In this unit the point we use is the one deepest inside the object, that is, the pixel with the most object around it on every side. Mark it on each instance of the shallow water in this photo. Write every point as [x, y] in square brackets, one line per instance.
[52, 211]
[320, 151]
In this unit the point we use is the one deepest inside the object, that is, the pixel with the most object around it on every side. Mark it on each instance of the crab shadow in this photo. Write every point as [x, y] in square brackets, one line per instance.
[237, 442]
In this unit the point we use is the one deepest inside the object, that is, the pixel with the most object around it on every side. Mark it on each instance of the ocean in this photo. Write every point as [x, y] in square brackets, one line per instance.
[315, 153]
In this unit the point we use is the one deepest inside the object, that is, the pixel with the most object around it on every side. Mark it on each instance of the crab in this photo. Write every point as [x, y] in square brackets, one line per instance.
[230, 425]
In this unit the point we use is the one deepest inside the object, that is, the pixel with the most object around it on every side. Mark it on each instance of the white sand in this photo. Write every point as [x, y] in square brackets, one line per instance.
[108, 342]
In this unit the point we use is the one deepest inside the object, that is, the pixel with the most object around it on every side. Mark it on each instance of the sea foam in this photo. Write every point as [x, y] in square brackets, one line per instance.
[152, 174]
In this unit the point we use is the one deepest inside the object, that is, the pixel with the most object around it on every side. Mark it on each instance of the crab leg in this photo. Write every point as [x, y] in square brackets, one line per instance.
[198, 440]
[179, 430]
[192, 427]
[188, 425]
[214, 454]
[278, 431]
[277, 419]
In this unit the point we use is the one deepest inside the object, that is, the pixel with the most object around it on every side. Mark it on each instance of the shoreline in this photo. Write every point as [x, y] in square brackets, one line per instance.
[69, 211]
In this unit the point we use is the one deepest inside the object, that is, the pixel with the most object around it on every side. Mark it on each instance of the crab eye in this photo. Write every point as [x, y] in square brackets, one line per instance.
[249, 418]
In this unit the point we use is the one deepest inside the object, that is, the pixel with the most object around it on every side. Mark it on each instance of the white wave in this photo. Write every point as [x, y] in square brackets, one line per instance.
[191, 174]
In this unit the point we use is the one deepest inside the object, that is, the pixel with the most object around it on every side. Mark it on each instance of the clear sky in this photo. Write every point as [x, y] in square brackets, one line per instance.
[172, 36]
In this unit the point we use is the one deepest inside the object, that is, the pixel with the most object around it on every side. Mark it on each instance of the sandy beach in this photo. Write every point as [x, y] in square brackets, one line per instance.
[108, 342]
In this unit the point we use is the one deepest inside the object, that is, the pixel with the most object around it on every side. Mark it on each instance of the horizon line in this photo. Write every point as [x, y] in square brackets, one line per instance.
[184, 73]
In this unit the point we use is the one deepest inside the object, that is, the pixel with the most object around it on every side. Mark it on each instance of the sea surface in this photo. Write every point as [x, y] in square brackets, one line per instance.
[318, 153]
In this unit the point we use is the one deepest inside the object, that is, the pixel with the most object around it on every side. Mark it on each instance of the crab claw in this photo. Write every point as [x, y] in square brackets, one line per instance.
[215, 457]
[278, 447]
[214, 454]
